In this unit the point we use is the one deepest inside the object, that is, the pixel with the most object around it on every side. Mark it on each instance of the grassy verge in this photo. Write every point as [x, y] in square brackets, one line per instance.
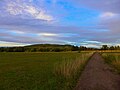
[113, 59]
[40, 71]
[68, 71]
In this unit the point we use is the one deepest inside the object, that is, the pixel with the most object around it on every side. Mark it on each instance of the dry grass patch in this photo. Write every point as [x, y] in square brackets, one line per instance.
[70, 69]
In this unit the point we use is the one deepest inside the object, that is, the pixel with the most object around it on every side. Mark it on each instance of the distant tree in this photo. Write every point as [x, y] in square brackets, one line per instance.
[112, 48]
[75, 48]
[105, 47]
[82, 48]
[1, 49]
[117, 47]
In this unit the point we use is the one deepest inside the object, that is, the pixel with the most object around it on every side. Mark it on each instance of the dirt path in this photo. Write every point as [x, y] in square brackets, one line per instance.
[97, 76]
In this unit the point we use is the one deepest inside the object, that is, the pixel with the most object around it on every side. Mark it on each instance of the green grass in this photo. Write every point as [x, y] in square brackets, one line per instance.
[113, 59]
[40, 71]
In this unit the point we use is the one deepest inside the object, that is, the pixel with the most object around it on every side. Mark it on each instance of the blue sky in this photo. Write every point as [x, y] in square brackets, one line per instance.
[90, 23]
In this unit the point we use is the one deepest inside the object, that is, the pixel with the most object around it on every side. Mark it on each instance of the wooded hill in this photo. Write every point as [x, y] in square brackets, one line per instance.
[54, 48]
[40, 48]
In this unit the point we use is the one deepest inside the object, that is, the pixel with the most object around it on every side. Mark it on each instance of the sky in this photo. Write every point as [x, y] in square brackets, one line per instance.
[90, 23]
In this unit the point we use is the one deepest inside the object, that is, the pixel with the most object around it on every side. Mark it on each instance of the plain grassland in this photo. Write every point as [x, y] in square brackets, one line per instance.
[41, 71]
[113, 59]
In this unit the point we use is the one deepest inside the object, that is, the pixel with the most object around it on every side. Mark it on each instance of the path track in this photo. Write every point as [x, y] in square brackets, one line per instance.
[98, 76]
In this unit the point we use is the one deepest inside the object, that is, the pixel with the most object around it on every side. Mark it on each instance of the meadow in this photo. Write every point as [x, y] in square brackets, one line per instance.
[113, 59]
[41, 71]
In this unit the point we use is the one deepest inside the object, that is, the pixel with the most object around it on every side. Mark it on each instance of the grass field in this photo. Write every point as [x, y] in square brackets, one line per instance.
[41, 71]
[113, 59]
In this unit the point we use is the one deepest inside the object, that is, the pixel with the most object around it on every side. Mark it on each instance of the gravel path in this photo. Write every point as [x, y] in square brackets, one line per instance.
[98, 76]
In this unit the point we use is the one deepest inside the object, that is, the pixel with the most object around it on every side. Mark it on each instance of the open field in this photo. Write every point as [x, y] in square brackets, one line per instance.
[41, 71]
[113, 59]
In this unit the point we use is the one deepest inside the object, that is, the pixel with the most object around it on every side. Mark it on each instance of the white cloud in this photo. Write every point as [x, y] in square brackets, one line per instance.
[108, 15]
[92, 45]
[97, 42]
[31, 10]
[47, 34]
[17, 32]
[57, 34]
[44, 16]
[24, 9]
[14, 9]
[10, 44]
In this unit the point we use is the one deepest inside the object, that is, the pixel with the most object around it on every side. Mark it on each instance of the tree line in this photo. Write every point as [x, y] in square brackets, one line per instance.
[106, 47]
[54, 48]
[40, 48]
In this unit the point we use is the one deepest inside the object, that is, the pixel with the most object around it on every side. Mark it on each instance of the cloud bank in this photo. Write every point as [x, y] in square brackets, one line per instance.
[89, 22]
